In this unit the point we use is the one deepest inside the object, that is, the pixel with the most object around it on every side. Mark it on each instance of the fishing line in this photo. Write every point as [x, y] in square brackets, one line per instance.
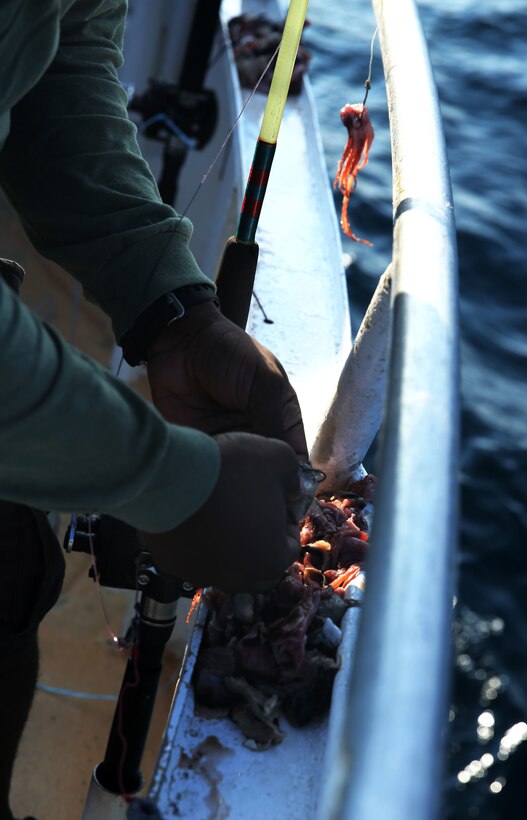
[231, 131]
[119, 643]
[367, 84]
[116, 641]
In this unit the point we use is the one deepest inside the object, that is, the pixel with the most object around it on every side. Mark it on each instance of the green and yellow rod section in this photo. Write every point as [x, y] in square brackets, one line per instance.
[238, 266]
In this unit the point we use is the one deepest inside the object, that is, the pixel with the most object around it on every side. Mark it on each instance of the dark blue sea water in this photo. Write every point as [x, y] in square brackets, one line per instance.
[478, 50]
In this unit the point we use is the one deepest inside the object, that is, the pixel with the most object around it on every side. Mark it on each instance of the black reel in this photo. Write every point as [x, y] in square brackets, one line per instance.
[121, 557]
[194, 113]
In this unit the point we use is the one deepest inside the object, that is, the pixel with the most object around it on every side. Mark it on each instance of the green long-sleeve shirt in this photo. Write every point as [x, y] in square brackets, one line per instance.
[71, 436]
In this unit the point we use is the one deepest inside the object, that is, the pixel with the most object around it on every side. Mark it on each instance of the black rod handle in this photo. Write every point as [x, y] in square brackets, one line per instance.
[235, 279]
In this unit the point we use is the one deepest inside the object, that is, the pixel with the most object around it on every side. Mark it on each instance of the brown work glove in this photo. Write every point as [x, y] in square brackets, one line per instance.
[246, 534]
[207, 373]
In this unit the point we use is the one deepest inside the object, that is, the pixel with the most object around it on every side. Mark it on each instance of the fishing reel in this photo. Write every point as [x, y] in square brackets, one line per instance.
[169, 110]
[121, 558]
[181, 120]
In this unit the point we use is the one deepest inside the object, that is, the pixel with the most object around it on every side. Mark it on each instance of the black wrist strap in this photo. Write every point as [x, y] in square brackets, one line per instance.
[161, 313]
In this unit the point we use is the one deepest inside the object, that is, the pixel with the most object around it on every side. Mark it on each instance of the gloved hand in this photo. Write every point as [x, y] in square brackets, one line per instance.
[207, 373]
[245, 535]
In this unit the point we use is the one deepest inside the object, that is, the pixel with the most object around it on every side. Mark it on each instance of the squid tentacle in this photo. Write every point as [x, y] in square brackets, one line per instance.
[354, 158]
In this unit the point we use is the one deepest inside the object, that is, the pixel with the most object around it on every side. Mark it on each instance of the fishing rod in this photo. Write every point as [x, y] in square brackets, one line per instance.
[237, 269]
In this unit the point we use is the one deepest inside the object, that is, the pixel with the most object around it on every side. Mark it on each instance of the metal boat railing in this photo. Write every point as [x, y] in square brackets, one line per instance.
[390, 749]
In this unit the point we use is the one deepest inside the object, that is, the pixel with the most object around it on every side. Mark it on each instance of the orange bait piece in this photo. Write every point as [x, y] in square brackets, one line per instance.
[354, 158]
[347, 576]
[195, 601]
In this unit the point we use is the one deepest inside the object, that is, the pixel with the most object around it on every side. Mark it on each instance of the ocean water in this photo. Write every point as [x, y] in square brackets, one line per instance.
[478, 52]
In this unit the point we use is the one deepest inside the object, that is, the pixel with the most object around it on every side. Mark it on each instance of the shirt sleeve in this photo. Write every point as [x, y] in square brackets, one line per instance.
[74, 438]
[72, 169]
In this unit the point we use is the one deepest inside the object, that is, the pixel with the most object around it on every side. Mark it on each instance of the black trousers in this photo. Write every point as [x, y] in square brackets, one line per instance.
[31, 575]
[31, 559]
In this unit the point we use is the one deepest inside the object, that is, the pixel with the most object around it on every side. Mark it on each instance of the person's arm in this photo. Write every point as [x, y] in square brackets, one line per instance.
[74, 173]
[74, 438]
[72, 169]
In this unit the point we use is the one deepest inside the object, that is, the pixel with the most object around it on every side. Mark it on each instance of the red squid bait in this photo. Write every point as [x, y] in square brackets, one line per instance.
[354, 157]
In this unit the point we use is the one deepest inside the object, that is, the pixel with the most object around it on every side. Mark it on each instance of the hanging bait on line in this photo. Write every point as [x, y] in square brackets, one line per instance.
[354, 158]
